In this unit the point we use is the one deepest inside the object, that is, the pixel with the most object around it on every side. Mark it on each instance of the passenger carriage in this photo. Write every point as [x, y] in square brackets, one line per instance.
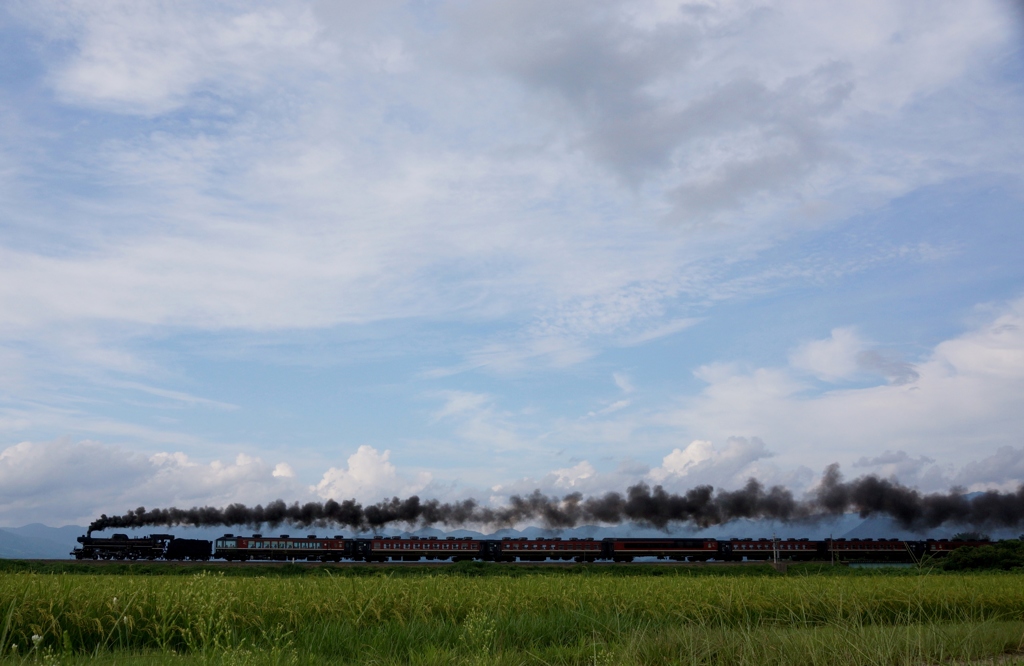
[284, 547]
[783, 549]
[548, 548]
[411, 549]
[693, 550]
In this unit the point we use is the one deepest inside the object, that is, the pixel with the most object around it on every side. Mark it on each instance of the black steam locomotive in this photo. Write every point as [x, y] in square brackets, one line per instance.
[509, 549]
[152, 547]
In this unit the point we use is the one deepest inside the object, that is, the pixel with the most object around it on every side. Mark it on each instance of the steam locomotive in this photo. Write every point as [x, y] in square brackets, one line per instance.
[508, 549]
[152, 547]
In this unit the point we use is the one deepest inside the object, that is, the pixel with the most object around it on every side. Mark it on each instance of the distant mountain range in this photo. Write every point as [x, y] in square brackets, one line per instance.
[37, 541]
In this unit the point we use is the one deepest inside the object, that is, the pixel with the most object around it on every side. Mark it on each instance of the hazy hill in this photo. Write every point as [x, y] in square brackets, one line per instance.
[37, 542]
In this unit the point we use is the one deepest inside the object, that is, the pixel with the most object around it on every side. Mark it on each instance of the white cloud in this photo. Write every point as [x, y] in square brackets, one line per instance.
[959, 400]
[680, 461]
[664, 330]
[284, 470]
[623, 382]
[832, 359]
[176, 396]
[614, 407]
[462, 402]
[700, 462]
[63, 481]
[581, 477]
[566, 177]
[1004, 470]
[728, 105]
[369, 477]
[150, 59]
[1001, 470]
[483, 428]
[846, 356]
[896, 465]
[570, 477]
[487, 189]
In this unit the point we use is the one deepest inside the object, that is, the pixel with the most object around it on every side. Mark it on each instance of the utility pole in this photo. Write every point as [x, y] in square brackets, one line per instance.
[775, 548]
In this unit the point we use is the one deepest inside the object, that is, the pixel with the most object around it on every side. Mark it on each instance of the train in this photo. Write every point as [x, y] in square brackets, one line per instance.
[312, 548]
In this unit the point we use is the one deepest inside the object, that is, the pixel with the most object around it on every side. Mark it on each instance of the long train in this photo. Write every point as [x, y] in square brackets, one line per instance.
[508, 549]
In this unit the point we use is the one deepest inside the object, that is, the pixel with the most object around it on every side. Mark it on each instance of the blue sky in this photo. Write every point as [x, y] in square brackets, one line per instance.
[309, 249]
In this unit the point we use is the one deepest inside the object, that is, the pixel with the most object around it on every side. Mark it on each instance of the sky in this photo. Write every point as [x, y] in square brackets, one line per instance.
[310, 250]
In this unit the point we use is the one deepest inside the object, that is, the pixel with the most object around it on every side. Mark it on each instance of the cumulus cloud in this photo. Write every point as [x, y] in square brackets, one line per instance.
[833, 358]
[895, 464]
[958, 399]
[370, 477]
[575, 475]
[284, 469]
[844, 355]
[700, 462]
[64, 481]
[1001, 470]
[582, 477]
[1004, 469]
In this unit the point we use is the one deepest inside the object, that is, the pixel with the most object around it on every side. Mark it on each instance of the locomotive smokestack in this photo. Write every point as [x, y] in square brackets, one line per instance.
[701, 506]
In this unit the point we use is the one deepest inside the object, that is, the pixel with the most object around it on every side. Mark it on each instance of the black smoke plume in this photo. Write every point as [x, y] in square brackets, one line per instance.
[700, 506]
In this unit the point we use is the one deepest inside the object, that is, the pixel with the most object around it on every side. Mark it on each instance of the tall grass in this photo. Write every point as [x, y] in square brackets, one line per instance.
[541, 619]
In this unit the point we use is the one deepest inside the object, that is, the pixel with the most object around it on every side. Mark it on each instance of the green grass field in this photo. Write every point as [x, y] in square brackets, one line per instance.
[507, 615]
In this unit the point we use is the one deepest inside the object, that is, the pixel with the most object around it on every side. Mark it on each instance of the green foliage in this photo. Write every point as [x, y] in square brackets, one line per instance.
[999, 555]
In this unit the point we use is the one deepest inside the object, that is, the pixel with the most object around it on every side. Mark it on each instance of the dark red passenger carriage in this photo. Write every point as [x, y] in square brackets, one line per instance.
[283, 548]
[541, 549]
[411, 549]
[693, 550]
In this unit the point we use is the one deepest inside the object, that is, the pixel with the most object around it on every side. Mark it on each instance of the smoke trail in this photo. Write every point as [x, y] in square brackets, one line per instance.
[700, 506]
